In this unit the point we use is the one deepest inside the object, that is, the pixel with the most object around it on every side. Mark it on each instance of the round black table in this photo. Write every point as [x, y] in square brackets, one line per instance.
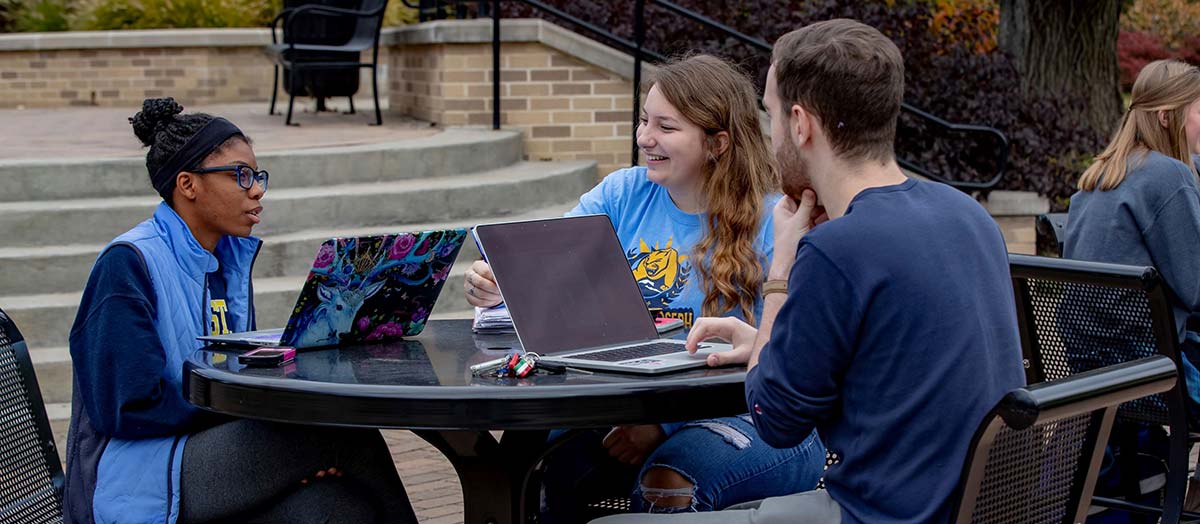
[423, 384]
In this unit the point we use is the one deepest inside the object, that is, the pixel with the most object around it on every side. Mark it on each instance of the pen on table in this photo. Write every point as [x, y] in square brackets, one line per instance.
[556, 367]
[491, 364]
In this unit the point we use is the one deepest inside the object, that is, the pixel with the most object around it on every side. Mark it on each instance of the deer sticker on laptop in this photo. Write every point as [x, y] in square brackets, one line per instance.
[386, 274]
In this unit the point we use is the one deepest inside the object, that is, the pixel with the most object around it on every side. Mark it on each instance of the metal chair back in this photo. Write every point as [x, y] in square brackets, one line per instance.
[1053, 228]
[1035, 457]
[323, 26]
[31, 476]
[367, 28]
[1075, 316]
[353, 25]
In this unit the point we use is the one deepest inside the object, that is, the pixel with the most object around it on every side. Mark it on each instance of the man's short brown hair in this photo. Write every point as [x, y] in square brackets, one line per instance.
[851, 77]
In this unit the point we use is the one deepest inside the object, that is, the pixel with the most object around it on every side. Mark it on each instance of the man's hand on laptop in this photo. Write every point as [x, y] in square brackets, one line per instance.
[740, 334]
[480, 285]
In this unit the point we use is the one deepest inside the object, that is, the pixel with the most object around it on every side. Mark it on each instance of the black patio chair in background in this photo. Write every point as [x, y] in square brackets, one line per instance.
[1052, 231]
[1035, 457]
[298, 60]
[31, 476]
[1075, 316]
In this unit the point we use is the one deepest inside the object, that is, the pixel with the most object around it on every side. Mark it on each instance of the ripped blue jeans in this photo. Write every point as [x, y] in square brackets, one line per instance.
[724, 460]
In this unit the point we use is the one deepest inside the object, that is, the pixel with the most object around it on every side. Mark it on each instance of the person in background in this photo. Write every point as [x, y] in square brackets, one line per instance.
[1139, 204]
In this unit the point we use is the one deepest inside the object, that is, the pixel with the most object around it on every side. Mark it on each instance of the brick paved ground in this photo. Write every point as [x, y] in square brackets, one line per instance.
[429, 478]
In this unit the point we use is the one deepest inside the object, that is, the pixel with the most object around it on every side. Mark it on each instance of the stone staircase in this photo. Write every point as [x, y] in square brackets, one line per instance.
[57, 215]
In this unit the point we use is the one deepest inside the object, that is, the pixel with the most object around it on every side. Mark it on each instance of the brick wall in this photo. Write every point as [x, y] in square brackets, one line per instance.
[123, 77]
[565, 108]
[1020, 233]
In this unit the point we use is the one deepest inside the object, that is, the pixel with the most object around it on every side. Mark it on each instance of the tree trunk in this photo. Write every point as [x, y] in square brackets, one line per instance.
[1067, 47]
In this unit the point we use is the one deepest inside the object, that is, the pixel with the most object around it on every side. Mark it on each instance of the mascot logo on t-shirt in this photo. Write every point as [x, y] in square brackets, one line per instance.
[661, 272]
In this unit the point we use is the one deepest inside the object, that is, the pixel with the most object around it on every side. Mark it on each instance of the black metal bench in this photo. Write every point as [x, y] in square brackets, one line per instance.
[31, 476]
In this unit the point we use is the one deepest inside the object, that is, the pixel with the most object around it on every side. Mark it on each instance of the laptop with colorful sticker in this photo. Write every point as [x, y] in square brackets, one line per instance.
[364, 290]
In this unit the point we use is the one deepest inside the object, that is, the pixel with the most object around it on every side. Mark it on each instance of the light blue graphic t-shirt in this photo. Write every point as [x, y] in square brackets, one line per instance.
[659, 241]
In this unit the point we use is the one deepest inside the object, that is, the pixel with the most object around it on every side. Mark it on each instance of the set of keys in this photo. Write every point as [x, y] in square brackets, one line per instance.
[520, 365]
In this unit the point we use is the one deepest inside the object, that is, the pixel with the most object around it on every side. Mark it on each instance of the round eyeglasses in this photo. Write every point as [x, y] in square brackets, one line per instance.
[244, 174]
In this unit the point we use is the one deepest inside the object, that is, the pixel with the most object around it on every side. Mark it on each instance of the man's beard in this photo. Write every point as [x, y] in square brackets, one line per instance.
[793, 171]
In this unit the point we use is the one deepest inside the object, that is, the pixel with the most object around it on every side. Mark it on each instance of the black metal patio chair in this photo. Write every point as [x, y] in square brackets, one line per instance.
[31, 476]
[1035, 457]
[296, 58]
[1052, 230]
[1076, 316]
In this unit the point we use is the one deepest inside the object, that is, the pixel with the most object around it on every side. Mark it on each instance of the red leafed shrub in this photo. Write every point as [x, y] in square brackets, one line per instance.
[1190, 50]
[1134, 51]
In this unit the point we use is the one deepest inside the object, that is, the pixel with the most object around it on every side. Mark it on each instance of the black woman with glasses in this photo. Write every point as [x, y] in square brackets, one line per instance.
[137, 451]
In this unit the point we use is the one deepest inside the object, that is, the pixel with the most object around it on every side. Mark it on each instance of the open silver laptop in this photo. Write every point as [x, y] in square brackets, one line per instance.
[573, 298]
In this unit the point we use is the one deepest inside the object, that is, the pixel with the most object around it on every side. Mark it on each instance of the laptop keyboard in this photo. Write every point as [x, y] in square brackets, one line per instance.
[649, 349]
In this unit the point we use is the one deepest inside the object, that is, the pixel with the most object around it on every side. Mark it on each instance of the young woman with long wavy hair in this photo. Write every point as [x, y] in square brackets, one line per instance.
[696, 227]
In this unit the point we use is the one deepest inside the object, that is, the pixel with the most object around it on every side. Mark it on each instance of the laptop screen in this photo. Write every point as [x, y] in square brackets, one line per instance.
[566, 283]
[372, 288]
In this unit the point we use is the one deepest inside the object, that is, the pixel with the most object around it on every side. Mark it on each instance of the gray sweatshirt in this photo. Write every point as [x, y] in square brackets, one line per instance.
[1151, 219]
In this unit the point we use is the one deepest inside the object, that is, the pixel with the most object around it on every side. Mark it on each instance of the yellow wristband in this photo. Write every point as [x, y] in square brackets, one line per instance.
[774, 286]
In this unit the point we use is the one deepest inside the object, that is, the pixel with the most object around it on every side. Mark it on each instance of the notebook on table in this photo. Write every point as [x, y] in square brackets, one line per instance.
[573, 299]
[364, 289]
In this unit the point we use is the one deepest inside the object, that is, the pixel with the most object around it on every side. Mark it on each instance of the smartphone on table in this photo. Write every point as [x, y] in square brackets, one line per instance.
[663, 324]
[264, 357]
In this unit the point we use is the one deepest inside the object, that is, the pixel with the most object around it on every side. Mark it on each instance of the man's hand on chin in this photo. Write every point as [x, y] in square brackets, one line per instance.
[793, 220]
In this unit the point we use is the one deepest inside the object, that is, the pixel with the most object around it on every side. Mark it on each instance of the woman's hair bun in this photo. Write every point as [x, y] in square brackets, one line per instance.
[156, 113]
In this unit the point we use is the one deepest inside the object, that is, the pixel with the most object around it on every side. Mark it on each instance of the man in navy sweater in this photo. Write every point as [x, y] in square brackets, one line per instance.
[888, 321]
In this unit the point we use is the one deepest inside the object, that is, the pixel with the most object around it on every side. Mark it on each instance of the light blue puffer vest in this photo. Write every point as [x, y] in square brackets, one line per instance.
[138, 480]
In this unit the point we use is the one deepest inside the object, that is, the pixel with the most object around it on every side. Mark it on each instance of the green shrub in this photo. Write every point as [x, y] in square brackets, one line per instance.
[399, 14]
[110, 14]
[100, 15]
[8, 11]
[41, 15]
[208, 13]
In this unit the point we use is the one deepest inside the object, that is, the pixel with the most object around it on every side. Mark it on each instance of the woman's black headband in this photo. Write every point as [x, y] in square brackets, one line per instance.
[204, 142]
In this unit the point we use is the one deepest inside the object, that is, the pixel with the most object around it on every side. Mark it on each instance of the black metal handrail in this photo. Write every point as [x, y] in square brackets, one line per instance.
[1002, 150]
[635, 48]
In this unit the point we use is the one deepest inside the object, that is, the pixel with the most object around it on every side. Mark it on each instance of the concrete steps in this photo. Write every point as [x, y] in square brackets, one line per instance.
[65, 266]
[58, 215]
[451, 152]
[507, 189]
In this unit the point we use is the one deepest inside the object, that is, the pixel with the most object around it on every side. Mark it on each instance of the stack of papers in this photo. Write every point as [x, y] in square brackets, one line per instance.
[493, 320]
